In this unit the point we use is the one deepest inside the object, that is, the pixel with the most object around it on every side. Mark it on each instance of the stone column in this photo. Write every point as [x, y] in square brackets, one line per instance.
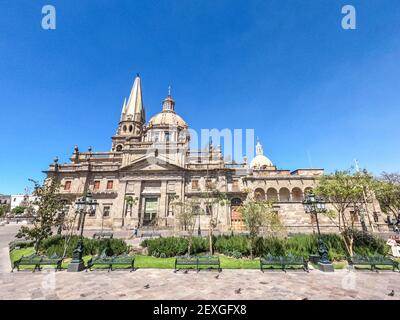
[163, 203]
[136, 207]
[118, 205]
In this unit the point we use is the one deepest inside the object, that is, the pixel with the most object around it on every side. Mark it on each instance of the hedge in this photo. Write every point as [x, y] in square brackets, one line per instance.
[174, 246]
[239, 246]
[55, 244]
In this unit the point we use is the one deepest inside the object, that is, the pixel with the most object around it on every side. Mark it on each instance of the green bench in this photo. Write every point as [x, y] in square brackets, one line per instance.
[283, 262]
[109, 261]
[197, 261]
[37, 261]
[373, 262]
[103, 235]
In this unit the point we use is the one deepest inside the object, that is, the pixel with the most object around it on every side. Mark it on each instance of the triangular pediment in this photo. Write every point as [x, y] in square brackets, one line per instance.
[151, 163]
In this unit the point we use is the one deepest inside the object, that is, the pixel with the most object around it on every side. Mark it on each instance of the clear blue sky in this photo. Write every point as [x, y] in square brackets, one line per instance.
[314, 93]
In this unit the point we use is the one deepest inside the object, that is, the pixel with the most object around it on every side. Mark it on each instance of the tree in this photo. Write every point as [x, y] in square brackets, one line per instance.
[18, 210]
[186, 217]
[69, 225]
[387, 192]
[4, 209]
[49, 204]
[213, 199]
[343, 190]
[172, 200]
[258, 214]
[130, 202]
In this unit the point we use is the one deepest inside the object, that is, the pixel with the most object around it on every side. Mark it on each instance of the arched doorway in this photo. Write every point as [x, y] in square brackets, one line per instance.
[259, 194]
[236, 217]
[272, 194]
[297, 194]
[284, 195]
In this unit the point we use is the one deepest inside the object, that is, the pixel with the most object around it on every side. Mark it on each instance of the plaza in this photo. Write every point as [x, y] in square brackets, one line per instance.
[200, 151]
[163, 284]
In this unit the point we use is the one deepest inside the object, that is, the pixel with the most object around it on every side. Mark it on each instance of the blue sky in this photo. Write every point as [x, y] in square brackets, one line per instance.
[316, 95]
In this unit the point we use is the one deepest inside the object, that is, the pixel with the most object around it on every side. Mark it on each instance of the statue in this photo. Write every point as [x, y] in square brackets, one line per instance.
[78, 252]
[323, 252]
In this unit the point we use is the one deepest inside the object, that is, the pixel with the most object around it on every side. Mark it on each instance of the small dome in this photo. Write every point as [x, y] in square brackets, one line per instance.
[167, 118]
[260, 161]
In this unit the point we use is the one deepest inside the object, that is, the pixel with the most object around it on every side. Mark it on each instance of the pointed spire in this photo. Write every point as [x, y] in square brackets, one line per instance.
[134, 107]
[123, 109]
[259, 148]
[169, 103]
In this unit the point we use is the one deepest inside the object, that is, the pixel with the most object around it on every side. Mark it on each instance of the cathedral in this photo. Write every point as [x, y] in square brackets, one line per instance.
[150, 165]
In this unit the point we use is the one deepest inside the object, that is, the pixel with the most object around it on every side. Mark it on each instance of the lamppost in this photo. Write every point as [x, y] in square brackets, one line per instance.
[199, 230]
[314, 205]
[61, 219]
[83, 205]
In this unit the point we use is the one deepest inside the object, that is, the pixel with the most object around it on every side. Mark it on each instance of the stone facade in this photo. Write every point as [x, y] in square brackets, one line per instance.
[152, 163]
[5, 199]
[23, 200]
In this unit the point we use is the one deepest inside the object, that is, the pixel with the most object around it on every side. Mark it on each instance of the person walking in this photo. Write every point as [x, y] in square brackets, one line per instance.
[135, 232]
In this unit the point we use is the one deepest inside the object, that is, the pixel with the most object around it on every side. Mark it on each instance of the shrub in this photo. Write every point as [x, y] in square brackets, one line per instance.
[55, 245]
[234, 254]
[174, 246]
[238, 246]
[368, 244]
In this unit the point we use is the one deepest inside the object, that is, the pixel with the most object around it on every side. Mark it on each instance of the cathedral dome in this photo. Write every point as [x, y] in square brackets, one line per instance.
[260, 161]
[167, 117]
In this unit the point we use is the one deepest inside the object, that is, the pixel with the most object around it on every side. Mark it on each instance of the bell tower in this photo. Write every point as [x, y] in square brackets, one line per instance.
[132, 118]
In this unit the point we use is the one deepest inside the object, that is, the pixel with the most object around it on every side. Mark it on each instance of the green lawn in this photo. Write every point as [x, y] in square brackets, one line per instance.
[232, 263]
[340, 264]
[144, 262]
[18, 253]
[153, 262]
[168, 263]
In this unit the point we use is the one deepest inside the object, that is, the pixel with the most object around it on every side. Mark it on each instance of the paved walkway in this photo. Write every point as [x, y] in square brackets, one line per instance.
[231, 284]
[165, 284]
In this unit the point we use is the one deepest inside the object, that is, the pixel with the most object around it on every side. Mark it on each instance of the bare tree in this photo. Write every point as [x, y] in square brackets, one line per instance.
[186, 217]
[258, 214]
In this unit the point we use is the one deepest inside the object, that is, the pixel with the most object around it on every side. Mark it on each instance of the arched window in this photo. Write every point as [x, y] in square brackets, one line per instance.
[124, 128]
[284, 195]
[119, 148]
[130, 128]
[259, 194]
[297, 195]
[272, 194]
